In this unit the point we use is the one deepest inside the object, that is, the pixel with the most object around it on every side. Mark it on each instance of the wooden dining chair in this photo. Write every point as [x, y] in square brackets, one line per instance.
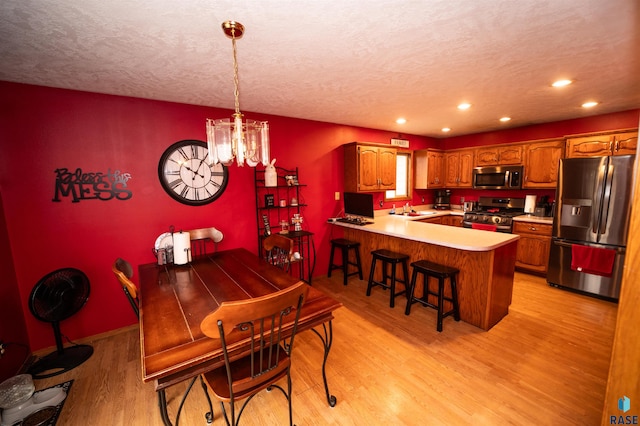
[268, 325]
[124, 272]
[204, 241]
[279, 250]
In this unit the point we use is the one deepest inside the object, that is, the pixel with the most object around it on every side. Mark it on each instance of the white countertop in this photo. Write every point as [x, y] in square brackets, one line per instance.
[448, 236]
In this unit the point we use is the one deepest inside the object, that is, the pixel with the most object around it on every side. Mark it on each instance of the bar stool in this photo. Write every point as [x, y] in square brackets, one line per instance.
[388, 257]
[441, 272]
[344, 246]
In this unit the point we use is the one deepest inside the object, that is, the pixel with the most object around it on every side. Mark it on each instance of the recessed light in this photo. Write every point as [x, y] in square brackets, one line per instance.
[589, 104]
[464, 106]
[561, 83]
[505, 119]
[401, 120]
[446, 129]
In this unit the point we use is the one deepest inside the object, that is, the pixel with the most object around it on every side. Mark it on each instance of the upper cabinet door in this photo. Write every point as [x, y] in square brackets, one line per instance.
[499, 155]
[465, 169]
[458, 168]
[428, 169]
[369, 168]
[589, 146]
[387, 168]
[625, 143]
[541, 164]
[621, 143]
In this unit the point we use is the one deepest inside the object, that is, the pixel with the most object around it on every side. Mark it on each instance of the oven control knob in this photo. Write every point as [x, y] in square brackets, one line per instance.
[496, 219]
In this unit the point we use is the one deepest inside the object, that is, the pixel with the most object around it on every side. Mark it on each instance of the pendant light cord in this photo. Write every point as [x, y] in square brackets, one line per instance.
[236, 81]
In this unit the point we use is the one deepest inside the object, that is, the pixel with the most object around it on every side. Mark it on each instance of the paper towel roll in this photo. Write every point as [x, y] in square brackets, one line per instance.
[181, 248]
[530, 204]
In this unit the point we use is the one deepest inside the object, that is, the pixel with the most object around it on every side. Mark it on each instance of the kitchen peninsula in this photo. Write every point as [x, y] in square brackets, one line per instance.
[486, 260]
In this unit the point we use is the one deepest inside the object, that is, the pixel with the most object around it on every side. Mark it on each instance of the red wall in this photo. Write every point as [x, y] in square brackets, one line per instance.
[13, 330]
[44, 129]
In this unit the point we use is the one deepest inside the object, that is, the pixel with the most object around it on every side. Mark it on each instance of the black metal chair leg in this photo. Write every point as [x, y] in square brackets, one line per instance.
[209, 414]
[162, 403]
[327, 341]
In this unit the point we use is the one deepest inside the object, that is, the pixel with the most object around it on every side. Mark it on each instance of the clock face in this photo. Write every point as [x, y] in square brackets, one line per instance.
[187, 176]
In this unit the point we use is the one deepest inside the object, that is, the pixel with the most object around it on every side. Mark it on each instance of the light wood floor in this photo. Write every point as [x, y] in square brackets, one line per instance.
[546, 363]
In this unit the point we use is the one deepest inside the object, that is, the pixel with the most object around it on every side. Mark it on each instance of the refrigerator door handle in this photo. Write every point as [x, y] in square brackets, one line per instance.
[597, 202]
[561, 243]
[608, 183]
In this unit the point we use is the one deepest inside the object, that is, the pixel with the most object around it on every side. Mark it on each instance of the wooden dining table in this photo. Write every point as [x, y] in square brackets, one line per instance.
[175, 299]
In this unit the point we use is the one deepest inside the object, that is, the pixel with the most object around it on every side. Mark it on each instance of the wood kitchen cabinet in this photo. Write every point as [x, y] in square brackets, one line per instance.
[369, 167]
[450, 220]
[619, 143]
[541, 163]
[499, 155]
[533, 246]
[454, 220]
[428, 169]
[436, 220]
[459, 168]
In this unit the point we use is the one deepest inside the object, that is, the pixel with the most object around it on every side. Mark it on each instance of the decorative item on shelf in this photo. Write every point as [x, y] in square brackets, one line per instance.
[283, 202]
[267, 227]
[284, 227]
[292, 180]
[228, 139]
[296, 220]
[269, 200]
[270, 175]
[294, 202]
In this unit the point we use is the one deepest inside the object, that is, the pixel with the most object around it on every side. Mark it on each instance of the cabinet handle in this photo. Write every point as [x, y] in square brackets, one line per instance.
[617, 146]
[533, 228]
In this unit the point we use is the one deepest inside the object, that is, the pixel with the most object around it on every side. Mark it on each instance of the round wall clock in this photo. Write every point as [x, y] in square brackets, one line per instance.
[186, 175]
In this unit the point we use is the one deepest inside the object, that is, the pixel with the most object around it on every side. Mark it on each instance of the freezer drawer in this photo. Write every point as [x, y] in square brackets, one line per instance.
[560, 273]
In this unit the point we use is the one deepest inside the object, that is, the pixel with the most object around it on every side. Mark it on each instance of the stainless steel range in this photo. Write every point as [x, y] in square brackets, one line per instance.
[494, 214]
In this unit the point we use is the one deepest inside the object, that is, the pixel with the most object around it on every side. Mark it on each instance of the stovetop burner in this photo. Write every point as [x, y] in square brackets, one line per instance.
[497, 212]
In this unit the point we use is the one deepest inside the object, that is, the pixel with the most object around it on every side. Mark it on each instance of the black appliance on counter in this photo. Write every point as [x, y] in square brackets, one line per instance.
[443, 200]
[494, 214]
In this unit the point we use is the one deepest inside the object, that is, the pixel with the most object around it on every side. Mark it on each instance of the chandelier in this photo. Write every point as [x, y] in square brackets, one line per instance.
[234, 138]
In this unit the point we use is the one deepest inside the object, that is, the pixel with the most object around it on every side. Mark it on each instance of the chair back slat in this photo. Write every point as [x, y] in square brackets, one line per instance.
[260, 320]
[204, 241]
[278, 250]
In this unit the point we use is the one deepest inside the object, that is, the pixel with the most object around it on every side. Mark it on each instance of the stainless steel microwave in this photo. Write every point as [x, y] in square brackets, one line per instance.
[497, 177]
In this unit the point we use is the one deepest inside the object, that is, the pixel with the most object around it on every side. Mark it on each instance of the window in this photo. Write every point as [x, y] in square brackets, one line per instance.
[404, 159]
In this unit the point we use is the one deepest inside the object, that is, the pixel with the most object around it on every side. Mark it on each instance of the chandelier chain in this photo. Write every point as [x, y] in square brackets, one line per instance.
[236, 81]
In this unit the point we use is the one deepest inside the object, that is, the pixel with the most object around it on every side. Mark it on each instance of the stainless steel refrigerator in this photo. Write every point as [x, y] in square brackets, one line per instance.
[593, 202]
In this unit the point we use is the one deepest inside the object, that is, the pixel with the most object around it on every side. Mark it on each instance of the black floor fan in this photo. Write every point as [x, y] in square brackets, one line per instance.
[57, 296]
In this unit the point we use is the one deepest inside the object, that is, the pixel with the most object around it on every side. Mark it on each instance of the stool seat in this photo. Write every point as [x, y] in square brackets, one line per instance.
[389, 259]
[441, 272]
[345, 245]
[435, 269]
[389, 256]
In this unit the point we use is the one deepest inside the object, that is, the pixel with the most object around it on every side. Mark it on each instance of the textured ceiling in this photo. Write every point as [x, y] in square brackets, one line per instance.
[356, 62]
